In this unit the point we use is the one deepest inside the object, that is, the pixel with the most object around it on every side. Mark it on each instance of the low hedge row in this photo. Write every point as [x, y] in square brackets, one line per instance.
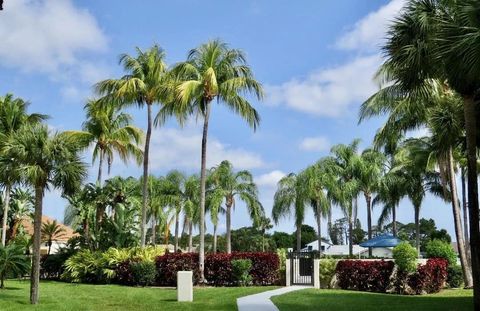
[430, 277]
[218, 268]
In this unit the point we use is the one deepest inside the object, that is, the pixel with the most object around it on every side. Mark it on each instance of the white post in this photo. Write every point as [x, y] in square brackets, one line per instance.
[316, 273]
[184, 286]
[287, 272]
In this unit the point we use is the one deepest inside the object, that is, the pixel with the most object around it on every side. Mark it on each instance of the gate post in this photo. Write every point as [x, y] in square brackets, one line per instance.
[316, 273]
[288, 273]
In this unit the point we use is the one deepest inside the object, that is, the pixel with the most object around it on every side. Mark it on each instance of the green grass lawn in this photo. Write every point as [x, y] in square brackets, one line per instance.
[72, 297]
[340, 300]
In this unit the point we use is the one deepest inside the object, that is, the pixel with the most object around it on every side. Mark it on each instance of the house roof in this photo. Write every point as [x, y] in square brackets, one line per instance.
[68, 233]
[343, 250]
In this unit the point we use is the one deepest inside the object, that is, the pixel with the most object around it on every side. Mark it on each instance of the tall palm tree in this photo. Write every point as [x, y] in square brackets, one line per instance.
[290, 198]
[212, 72]
[341, 165]
[191, 204]
[235, 186]
[176, 193]
[22, 205]
[368, 171]
[50, 232]
[142, 85]
[214, 199]
[263, 225]
[13, 116]
[437, 39]
[46, 161]
[110, 131]
[317, 181]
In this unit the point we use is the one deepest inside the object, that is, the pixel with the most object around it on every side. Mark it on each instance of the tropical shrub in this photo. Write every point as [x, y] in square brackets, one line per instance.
[13, 262]
[372, 276]
[169, 264]
[327, 271]
[88, 267]
[282, 259]
[52, 266]
[241, 271]
[405, 257]
[454, 276]
[124, 274]
[441, 249]
[430, 277]
[144, 272]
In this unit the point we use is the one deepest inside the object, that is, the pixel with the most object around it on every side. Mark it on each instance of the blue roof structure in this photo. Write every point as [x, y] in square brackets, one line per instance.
[384, 240]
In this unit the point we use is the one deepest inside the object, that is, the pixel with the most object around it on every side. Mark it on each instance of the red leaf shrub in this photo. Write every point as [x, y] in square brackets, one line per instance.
[218, 267]
[429, 277]
[124, 274]
[169, 264]
[371, 276]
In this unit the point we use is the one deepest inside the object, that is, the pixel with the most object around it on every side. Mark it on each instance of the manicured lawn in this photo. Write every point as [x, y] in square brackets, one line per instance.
[72, 297]
[340, 300]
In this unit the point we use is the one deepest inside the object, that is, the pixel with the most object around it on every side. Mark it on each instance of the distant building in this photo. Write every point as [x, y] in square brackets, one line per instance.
[343, 250]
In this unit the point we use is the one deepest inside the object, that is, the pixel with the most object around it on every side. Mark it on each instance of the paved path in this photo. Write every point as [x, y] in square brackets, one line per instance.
[262, 302]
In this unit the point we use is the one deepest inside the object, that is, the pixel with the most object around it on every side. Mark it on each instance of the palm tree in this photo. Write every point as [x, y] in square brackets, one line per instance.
[13, 261]
[264, 224]
[50, 232]
[368, 171]
[291, 197]
[110, 132]
[214, 204]
[191, 203]
[142, 85]
[45, 160]
[13, 116]
[212, 72]
[175, 191]
[318, 181]
[233, 186]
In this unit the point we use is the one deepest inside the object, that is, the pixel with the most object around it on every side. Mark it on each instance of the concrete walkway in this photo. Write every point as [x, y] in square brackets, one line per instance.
[262, 302]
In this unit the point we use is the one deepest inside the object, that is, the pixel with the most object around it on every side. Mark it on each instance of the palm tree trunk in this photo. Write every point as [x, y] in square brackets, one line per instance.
[417, 228]
[5, 213]
[49, 247]
[329, 221]
[299, 237]
[100, 165]
[465, 215]
[350, 235]
[177, 222]
[190, 237]
[145, 175]
[203, 178]
[469, 108]
[368, 199]
[37, 227]
[263, 241]
[86, 230]
[215, 238]
[319, 230]
[394, 220]
[154, 231]
[228, 216]
[467, 273]
[355, 210]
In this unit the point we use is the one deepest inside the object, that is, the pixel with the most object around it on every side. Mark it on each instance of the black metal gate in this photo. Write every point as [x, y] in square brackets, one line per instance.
[301, 267]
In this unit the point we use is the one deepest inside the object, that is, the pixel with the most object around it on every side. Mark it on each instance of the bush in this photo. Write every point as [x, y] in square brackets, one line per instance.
[441, 249]
[327, 271]
[405, 257]
[429, 278]
[124, 274]
[52, 266]
[282, 259]
[241, 269]
[144, 272]
[169, 264]
[455, 276]
[13, 262]
[88, 267]
[372, 276]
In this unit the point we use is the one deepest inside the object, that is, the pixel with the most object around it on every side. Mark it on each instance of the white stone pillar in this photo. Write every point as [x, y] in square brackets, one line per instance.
[316, 273]
[288, 276]
[184, 286]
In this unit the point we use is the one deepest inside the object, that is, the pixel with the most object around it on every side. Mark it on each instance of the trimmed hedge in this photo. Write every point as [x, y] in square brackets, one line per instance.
[371, 276]
[430, 277]
[218, 268]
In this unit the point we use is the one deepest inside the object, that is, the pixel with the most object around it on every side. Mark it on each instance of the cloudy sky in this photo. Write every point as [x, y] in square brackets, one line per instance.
[316, 61]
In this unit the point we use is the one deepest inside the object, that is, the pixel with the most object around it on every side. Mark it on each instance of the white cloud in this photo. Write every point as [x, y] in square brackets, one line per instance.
[269, 179]
[319, 143]
[46, 35]
[328, 92]
[369, 32]
[173, 148]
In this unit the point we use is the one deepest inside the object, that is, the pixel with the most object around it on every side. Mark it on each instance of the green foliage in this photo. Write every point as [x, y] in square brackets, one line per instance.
[283, 239]
[327, 271]
[144, 272]
[441, 249]
[428, 232]
[249, 239]
[240, 270]
[405, 256]
[455, 276]
[13, 262]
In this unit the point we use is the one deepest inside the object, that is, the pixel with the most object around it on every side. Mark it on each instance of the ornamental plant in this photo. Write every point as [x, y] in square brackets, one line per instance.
[241, 271]
[327, 271]
[405, 256]
[441, 249]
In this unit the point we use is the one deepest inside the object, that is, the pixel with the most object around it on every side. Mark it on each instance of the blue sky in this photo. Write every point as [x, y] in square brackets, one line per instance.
[316, 61]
